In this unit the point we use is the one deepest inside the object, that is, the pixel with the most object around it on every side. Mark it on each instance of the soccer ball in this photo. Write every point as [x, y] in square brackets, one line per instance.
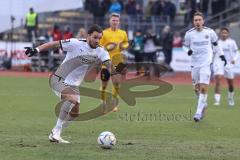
[106, 140]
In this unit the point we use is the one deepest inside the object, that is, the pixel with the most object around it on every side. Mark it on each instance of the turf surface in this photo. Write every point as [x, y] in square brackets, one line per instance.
[156, 128]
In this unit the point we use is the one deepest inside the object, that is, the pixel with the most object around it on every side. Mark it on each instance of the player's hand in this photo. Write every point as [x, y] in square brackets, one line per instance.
[105, 74]
[30, 51]
[120, 67]
[190, 52]
[223, 59]
[233, 62]
[125, 45]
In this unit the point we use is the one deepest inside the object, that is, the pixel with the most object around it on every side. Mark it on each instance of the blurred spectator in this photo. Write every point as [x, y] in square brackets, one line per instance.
[115, 7]
[204, 7]
[139, 15]
[177, 39]
[56, 33]
[147, 10]
[57, 36]
[82, 34]
[169, 9]
[130, 7]
[31, 25]
[48, 35]
[97, 8]
[139, 10]
[106, 5]
[137, 50]
[156, 8]
[167, 44]
[122, 2]
[218, 6]
[133, 9]
[67, 33]
[87, 5]
[191, 8]
[150, 42]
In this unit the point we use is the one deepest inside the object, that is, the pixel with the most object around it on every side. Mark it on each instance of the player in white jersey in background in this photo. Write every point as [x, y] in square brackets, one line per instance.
[199, 43]
[66, 80]
[231, 53]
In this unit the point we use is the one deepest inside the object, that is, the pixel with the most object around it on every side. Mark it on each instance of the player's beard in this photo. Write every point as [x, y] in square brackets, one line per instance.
[93, 46]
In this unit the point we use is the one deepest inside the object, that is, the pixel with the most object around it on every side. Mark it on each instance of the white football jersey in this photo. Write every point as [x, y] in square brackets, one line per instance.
[79, 58]
[201, 43]
[230, 50]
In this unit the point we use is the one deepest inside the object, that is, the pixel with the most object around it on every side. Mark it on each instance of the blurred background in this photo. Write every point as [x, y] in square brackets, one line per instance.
[33, 22]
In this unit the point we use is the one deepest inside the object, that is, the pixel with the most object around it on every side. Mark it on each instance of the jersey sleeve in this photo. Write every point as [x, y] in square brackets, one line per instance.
[235, 50]
[68, 45]
[213, 36]
[103, 55]
[186, 42]
[216, 48]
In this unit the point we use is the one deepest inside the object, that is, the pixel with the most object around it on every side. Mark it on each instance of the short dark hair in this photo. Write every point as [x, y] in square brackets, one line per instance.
[94, 28]
[198, 14]
[224, 29]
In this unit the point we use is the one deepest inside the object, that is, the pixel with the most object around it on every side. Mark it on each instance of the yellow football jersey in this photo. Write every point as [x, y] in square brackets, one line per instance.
[111, 41]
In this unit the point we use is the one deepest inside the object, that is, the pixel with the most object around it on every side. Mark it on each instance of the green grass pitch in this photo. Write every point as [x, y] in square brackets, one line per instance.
[27, 116]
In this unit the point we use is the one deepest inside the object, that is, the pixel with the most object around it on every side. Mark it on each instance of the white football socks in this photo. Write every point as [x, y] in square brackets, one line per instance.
[202, 100]
[230, 95]
[63, 117]
[217, 97]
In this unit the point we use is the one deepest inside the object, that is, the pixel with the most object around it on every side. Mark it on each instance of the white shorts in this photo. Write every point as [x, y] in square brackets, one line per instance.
[201, 75]
[57, 85]
[220, 69]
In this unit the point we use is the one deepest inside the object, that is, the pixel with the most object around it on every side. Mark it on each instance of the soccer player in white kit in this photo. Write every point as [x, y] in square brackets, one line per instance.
[231, 53]
[66, 80]
[199, 43]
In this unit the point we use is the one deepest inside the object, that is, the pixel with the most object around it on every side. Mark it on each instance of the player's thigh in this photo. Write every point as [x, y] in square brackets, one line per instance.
[104, 84]
[205, 74]
[218, 69]
[63, 90]
[117, 78]
[56, 83]
[218, 78]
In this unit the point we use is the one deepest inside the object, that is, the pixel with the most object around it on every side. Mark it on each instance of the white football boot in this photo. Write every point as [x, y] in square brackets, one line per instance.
[55, 137]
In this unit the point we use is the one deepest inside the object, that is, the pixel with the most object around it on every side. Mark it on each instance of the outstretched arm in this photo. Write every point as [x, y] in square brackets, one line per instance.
[44, 47]
[186, 45]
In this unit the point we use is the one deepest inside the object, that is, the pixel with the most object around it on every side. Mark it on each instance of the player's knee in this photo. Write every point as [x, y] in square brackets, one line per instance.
[203, 90]
[218, 83]
[72, 98]
[75, 111]
[116, 85]
[104, 87]
[196, 89]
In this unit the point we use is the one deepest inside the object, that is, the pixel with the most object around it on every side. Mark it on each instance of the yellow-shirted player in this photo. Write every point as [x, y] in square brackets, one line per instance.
[114, 40]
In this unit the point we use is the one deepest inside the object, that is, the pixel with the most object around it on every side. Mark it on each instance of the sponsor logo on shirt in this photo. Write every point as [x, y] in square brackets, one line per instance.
[202, 43]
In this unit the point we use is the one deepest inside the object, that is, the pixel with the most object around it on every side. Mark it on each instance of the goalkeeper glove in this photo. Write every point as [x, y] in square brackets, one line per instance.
[223, 59]
[105, 74]
[31, 51]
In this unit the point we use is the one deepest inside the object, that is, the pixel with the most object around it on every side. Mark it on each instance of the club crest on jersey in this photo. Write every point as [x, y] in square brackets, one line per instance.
[206, 36]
